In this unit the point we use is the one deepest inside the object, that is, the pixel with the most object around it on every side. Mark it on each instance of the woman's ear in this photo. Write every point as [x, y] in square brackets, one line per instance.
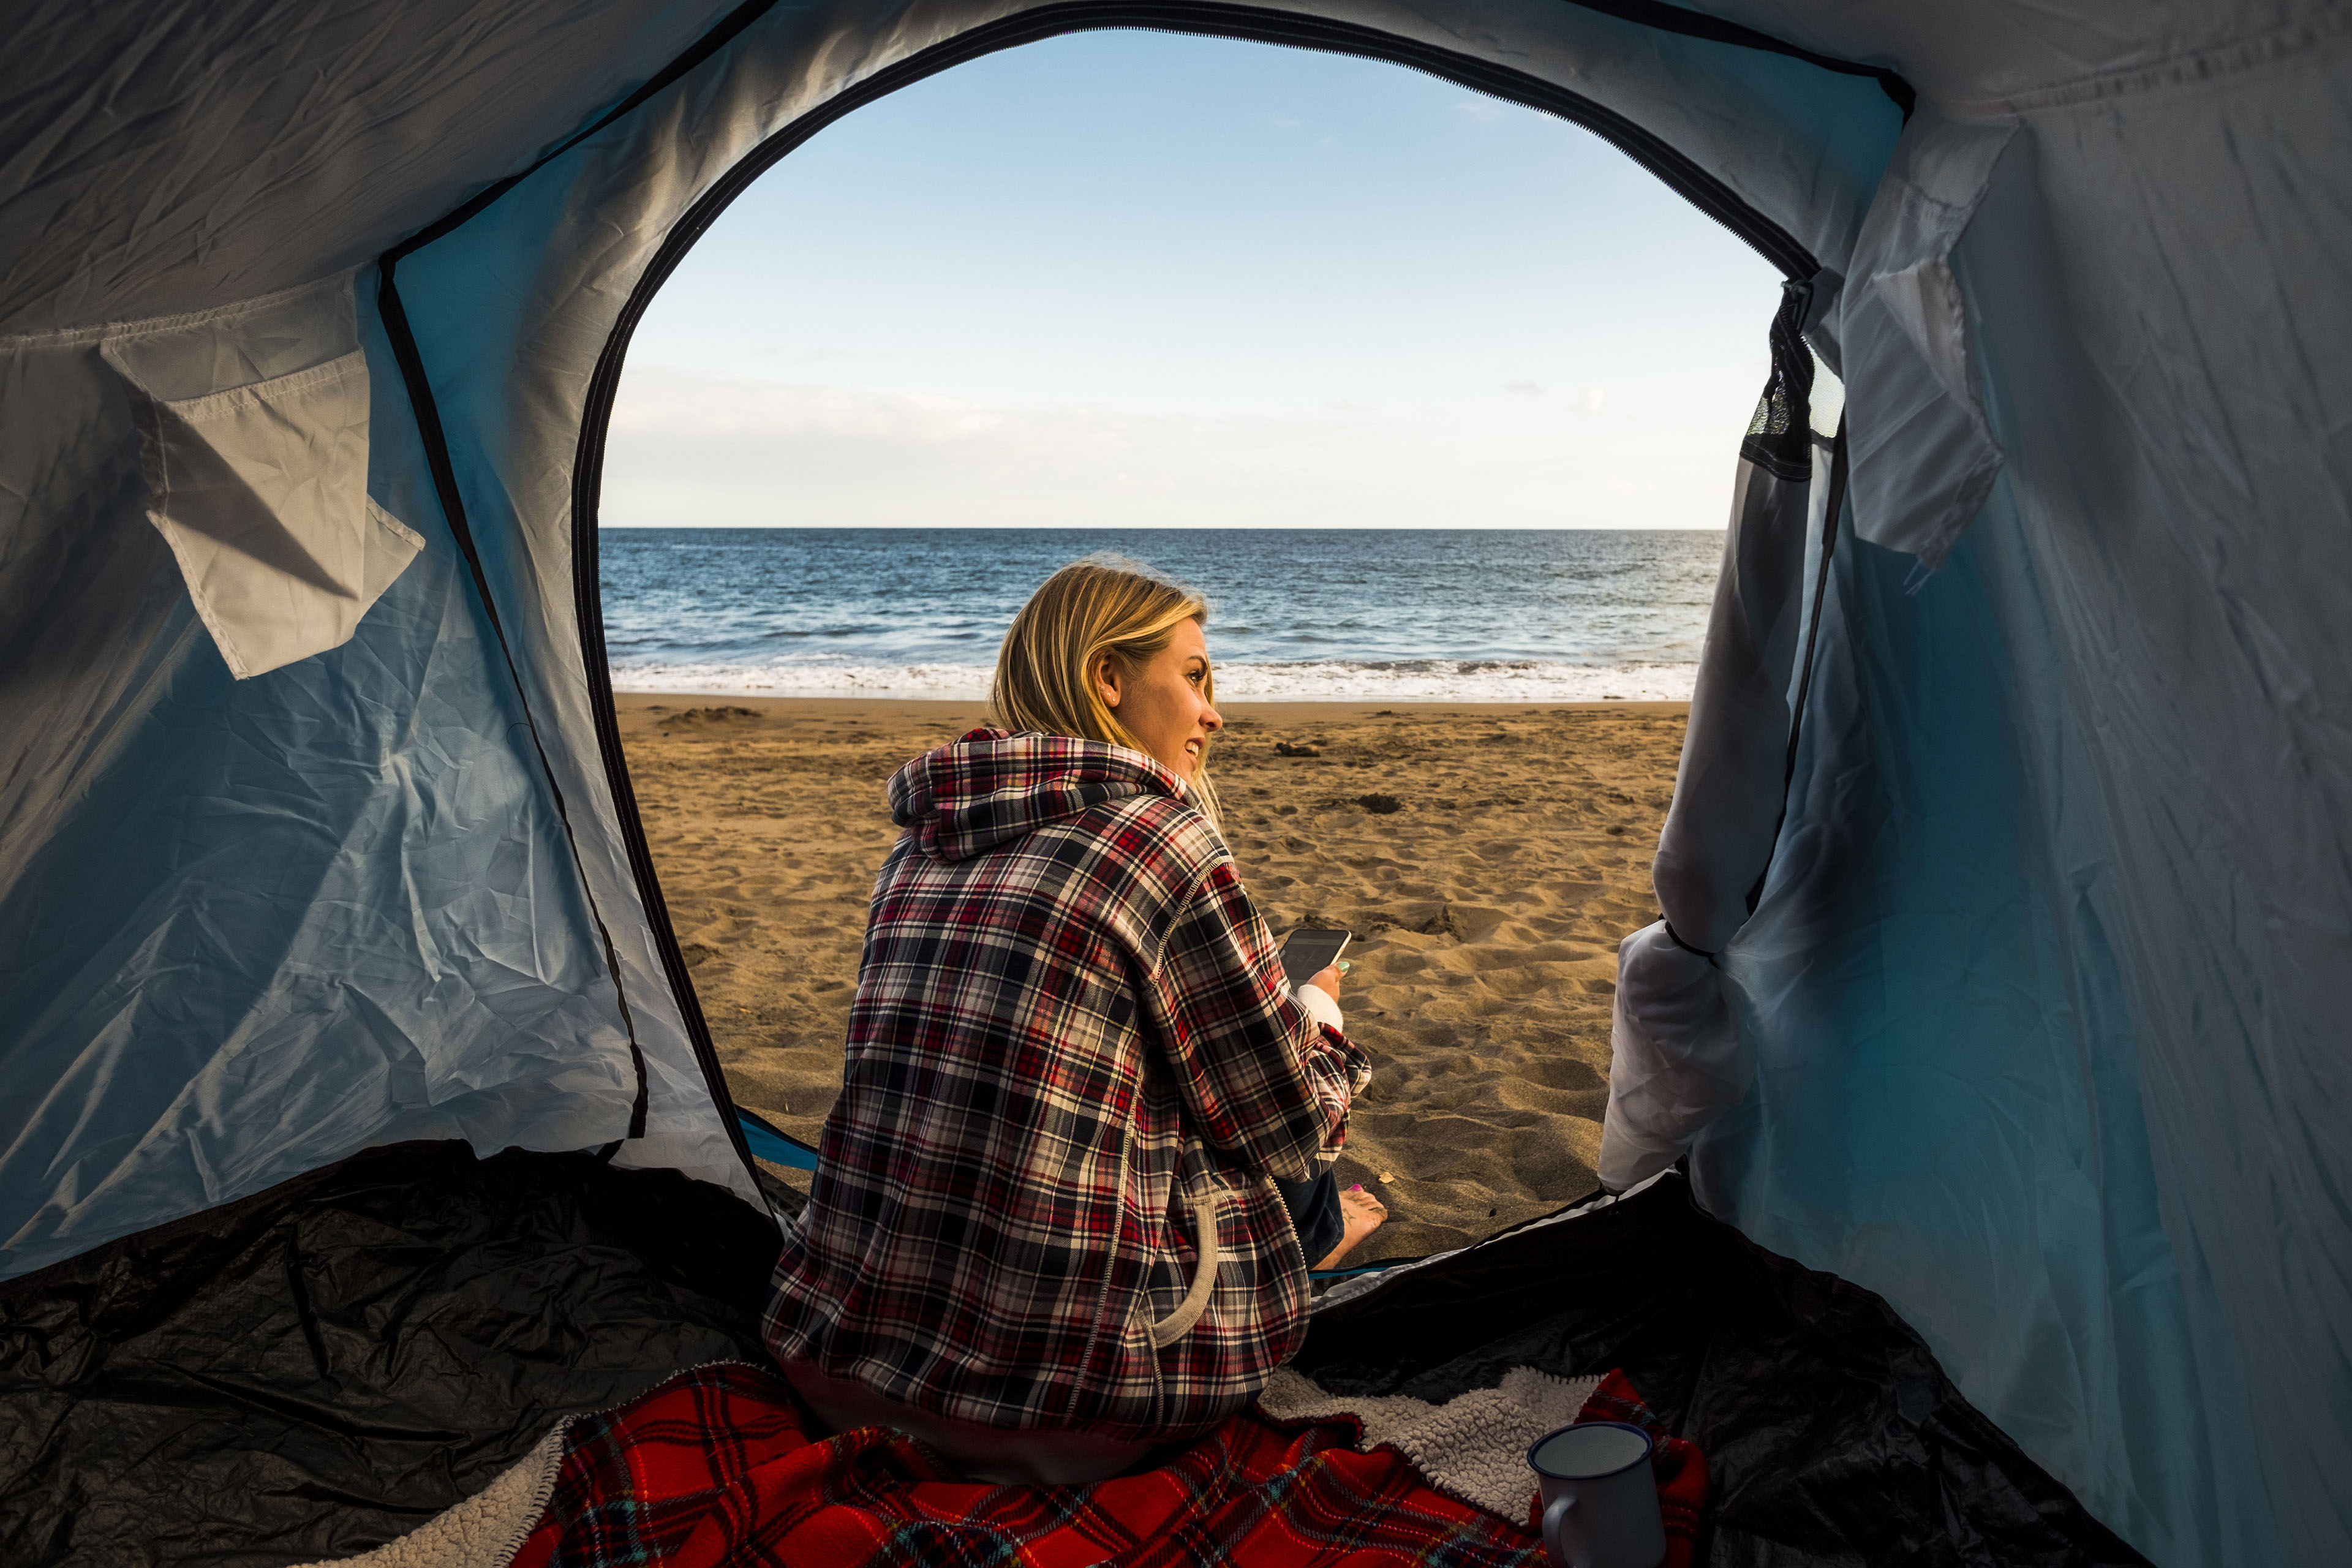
[1107, 679]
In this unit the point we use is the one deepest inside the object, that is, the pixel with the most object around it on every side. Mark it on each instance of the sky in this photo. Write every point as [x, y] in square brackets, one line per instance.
[1136, 280]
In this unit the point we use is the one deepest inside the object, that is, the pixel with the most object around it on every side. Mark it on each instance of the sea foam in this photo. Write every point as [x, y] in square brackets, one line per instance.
[1415, 680]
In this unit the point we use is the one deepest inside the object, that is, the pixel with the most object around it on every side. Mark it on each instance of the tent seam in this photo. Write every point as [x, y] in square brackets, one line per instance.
[441, 464]
[2198, 66]
[147, 326]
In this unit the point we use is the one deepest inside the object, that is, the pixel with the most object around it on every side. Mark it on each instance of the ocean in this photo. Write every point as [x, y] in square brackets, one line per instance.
[1369, 615]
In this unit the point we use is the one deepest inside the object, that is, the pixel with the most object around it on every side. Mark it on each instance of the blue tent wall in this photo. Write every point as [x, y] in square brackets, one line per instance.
[1947, 1106]
[2044, 993]
[286, 918]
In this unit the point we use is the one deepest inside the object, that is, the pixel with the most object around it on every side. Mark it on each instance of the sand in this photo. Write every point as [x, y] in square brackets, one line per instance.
[1488, 857]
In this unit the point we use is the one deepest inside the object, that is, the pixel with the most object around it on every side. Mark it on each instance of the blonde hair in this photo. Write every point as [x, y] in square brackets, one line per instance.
[1101, 606]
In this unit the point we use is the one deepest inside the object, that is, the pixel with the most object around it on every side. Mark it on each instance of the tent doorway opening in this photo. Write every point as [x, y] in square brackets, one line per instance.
[1436, 398]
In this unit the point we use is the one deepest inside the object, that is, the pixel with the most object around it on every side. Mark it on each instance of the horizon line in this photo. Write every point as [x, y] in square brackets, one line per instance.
[1164, 527]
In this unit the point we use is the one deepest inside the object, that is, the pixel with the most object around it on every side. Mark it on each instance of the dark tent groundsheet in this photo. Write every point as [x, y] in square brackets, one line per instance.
[322, 1367]
[326, 1365]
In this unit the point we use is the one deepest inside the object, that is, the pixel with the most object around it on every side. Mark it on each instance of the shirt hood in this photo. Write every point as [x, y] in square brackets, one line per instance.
[993, 786]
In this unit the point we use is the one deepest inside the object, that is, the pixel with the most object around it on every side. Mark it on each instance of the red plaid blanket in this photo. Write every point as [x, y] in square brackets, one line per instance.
[714, 1467]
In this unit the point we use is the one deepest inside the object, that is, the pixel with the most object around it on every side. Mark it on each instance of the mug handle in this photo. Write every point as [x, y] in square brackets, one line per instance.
[1553, 1518]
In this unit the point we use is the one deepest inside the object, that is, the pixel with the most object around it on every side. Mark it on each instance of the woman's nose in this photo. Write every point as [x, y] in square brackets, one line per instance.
[1211, 722]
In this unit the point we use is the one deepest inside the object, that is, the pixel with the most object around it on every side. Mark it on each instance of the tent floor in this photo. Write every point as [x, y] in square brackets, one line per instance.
[323, 1366]
[1830, 1434]
[326, 1365]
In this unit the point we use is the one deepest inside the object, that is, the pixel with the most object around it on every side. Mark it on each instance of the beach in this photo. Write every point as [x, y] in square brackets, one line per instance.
[1488, 856]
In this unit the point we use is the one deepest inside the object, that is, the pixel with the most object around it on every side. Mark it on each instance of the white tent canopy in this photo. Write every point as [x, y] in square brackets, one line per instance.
[2007, 990]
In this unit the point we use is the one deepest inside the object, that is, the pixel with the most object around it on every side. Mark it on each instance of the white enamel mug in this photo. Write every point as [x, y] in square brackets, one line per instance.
[1600, 1501]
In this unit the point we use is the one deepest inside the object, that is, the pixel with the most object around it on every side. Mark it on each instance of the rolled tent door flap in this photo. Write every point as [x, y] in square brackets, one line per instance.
[1920, 462]
[253, 438]
[1676, 1058]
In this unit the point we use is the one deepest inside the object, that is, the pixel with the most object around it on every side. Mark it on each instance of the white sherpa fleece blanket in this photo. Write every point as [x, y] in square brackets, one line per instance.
[1473, 1446]
[484, 1530]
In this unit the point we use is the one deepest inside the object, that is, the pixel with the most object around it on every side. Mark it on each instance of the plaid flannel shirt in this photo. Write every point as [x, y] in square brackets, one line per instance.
[1071, 1060]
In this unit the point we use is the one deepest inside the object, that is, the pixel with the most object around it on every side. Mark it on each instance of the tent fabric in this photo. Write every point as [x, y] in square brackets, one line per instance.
[253, 925]
[176, 157]
[1829, 1433]
[1920, 459]
[2040, 992]
[327, 1365]
[2035, 1014]
[1677, 1061]
[255, 464]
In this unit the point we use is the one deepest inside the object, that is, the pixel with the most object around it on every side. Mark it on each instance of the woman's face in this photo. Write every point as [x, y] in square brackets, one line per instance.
[1163, 704]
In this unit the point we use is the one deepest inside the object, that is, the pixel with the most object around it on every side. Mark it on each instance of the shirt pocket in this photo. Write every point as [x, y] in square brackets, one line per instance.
[1202, 1198]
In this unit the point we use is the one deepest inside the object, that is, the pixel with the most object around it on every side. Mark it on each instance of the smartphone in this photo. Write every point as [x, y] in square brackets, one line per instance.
[1307, 954]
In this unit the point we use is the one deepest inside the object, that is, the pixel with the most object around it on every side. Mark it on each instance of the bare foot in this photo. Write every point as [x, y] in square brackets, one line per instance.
[1362, 1214]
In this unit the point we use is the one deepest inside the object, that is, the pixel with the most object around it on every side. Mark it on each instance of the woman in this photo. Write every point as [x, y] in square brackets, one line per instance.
[1045, 1233]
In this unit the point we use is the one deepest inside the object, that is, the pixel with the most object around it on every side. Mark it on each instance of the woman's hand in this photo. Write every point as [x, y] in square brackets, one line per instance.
[1325, 981]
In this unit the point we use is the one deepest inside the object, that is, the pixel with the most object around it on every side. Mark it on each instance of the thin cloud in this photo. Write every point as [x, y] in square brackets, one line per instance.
[688, 449]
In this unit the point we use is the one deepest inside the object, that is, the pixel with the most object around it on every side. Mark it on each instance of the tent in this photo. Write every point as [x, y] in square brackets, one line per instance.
[2006, 892]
